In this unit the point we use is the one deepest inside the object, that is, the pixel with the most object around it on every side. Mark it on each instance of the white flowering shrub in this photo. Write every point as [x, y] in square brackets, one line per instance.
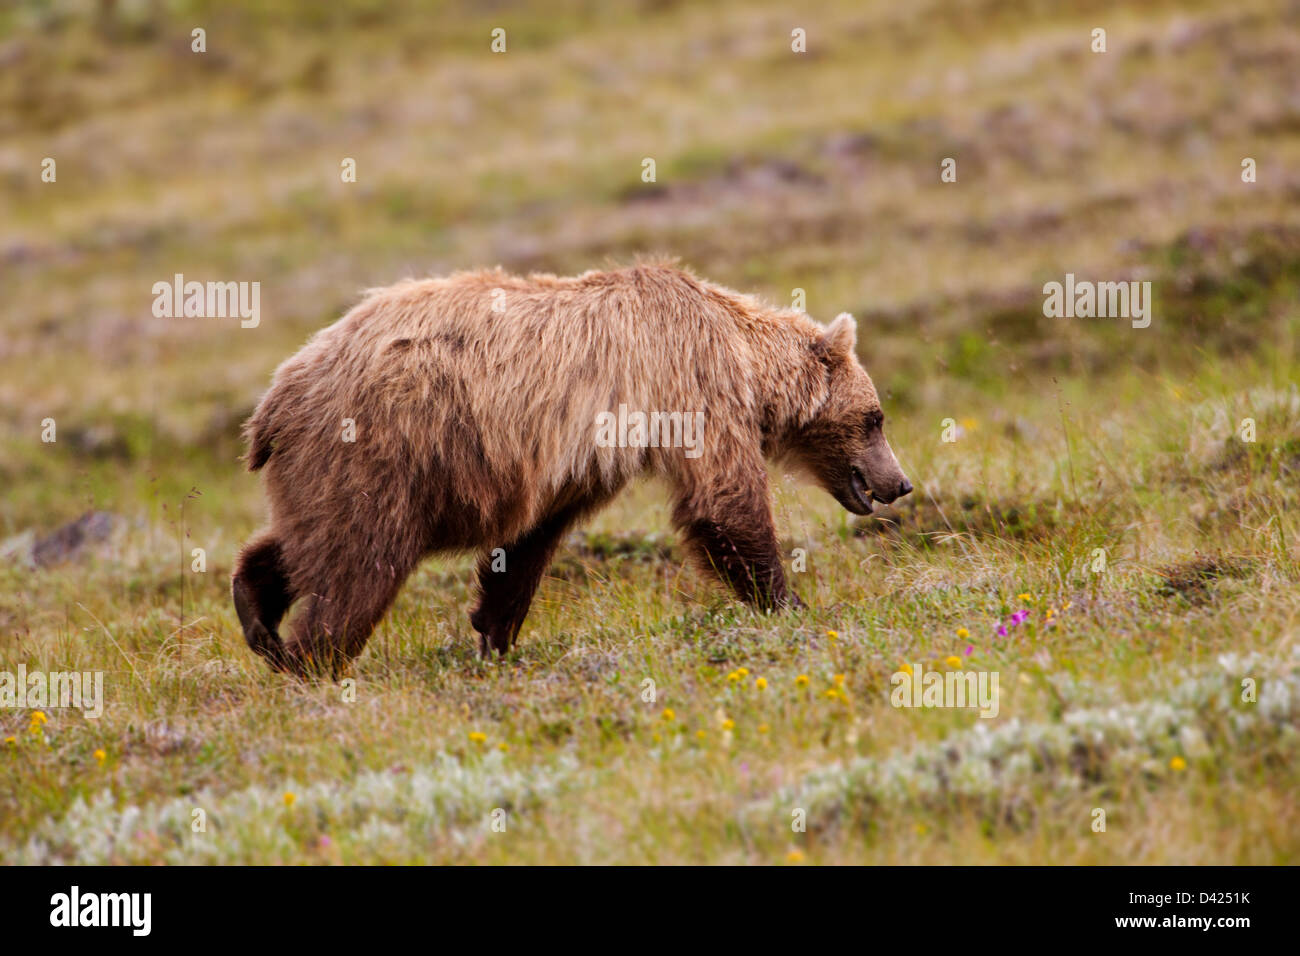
[1007, 770]
[388, 814]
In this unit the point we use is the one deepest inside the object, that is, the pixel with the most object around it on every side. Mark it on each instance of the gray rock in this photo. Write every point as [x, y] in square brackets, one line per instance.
[71, 540]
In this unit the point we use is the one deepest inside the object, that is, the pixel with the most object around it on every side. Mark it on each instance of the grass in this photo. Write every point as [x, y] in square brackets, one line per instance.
[1098, 471]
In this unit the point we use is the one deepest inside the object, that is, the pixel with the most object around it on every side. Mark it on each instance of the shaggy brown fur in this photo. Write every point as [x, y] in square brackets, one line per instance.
[475, 429]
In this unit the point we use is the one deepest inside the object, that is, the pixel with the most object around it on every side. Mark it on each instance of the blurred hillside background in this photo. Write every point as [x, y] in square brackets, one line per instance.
[776, 170]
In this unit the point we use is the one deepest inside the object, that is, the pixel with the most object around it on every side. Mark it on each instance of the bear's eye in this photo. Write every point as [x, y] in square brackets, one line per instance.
[875, 420]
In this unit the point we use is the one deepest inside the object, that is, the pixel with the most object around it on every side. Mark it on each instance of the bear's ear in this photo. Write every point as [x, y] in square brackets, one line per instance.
[839, 339]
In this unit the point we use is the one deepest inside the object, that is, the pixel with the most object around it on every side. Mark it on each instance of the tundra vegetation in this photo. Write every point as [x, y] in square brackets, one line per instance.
[1111, 528]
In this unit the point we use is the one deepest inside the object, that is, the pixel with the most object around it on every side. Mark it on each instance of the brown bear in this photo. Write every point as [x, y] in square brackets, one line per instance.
[489, 412]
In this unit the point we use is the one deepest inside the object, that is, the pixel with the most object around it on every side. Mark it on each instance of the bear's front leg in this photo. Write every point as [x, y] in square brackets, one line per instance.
[729, 526]
[508, 579]
[748, 562]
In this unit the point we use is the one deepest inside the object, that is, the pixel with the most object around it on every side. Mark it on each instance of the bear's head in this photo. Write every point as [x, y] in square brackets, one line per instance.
[843, 445]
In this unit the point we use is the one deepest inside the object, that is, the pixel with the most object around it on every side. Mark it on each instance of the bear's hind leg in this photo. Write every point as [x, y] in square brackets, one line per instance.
[342, 612]
[262, 595]
[507, 584]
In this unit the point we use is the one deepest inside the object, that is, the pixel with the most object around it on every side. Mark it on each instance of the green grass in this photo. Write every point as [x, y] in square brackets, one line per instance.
[775, 172]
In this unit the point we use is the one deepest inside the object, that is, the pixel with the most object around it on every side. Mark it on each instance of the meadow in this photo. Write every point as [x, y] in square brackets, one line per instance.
[1105, 516]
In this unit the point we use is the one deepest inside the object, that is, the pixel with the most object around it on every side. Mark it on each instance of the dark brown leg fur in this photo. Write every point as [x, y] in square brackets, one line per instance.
[262, 595]
[340, 615]
[505, 596]
[738, 542]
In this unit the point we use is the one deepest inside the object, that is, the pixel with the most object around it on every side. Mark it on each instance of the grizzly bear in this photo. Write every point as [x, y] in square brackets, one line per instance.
[476, 412]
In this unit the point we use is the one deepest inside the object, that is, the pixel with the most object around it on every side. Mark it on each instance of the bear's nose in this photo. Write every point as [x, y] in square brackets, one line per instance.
[905, 488]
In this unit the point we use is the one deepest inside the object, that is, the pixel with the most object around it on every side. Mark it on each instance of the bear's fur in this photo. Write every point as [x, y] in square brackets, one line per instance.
[475, 430]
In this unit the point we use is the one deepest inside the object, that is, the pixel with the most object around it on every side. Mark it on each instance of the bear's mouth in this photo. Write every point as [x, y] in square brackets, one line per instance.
[862, 496]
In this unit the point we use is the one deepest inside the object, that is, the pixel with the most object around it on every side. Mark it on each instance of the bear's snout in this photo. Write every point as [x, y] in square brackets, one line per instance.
[904, 487]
